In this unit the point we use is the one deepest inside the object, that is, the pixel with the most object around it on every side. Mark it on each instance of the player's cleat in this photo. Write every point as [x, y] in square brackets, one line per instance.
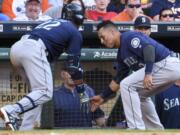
[10, 121]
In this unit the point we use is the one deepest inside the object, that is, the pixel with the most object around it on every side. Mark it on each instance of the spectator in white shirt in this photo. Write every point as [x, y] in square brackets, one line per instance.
[32, 12]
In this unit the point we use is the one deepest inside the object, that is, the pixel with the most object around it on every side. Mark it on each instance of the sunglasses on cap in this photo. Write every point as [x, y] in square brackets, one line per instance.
[166, 15]
[134, 6]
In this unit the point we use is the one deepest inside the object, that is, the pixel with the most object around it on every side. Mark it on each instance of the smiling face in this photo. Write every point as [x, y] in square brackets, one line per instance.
[33, 8]
[101, 5]
[109, 37]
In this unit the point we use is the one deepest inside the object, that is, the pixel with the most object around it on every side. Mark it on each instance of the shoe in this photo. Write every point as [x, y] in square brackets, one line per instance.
[10, 120]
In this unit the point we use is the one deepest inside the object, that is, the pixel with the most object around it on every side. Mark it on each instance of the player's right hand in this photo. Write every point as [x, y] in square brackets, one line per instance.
[95, 102]
[148, 81]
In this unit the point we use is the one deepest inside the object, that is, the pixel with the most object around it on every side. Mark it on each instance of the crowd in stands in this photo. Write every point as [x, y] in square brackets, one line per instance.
[114, 10]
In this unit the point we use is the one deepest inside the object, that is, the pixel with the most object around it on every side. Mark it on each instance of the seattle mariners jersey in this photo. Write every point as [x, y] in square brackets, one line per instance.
[130, 53]
[168, 107]
[58, 36]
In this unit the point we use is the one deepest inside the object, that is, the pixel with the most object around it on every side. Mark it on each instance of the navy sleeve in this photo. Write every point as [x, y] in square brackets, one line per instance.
[75, 44]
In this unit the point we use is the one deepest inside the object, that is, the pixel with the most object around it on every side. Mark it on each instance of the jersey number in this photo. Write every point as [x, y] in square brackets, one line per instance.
[49, 25]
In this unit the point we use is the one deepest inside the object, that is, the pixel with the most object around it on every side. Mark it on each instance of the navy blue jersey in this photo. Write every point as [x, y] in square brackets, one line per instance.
[58, 36]
[68, 109]
[168, 107]
[130, 53]
[158, 5]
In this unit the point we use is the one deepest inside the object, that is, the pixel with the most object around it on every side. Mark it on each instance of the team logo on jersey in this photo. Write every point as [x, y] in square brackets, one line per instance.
[135, 42]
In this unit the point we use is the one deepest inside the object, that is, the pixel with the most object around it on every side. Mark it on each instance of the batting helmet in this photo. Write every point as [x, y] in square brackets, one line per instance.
[73, 12]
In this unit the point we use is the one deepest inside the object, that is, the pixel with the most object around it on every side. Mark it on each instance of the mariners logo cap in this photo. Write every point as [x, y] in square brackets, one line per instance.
[142, 21]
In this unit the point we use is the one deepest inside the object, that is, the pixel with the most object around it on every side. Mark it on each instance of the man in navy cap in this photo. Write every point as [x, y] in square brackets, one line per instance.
[143, 24]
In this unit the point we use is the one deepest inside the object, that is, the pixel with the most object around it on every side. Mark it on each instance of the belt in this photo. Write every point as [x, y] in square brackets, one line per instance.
[33, 37]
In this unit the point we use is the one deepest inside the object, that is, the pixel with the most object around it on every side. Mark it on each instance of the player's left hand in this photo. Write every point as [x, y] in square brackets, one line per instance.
[148, 81]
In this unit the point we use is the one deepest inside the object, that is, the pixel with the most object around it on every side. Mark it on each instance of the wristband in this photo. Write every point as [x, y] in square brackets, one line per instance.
[107, 93]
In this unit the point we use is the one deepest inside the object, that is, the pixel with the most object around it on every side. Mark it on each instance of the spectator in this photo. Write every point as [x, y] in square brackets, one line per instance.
[158, 5]
[116, 6]
[166, 15]
[56, 12]
[100, 13]
[131, 11]
[13, 8]
[32, 12]
[69, 112]
[168, 106]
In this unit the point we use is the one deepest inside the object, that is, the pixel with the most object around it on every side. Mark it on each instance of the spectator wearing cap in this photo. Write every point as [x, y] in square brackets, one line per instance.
[100, 13]
[143, 24]
[166, 15]
[13, 8]
[158, 5]
[131, 11]
[32, 12]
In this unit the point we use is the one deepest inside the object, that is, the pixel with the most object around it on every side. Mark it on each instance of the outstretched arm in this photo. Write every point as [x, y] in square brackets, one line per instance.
[113, 87]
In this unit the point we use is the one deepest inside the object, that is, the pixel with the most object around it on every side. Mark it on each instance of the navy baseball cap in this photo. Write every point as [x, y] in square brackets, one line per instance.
[142, 21]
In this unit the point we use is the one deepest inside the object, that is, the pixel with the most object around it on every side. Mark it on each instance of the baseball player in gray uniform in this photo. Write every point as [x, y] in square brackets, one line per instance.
[134, 49]
[32, 55]
[149, 114]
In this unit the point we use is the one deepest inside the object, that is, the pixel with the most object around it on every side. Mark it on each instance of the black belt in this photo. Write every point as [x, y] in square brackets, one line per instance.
[33, 37]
